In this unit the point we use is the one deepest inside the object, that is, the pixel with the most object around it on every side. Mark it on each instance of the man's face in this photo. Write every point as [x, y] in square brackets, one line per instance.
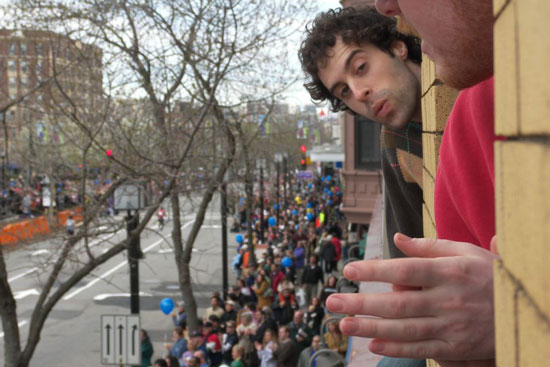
[456, 34]
[316, 342]
[214, 302]
[374, 84]
[298, 317]
[282, 334]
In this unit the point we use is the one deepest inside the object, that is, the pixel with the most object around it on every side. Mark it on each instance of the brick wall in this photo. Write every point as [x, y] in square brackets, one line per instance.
[437, 102]
[522, 176]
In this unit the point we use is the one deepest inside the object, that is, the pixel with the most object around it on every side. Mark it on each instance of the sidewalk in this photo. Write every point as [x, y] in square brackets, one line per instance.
[359, 354]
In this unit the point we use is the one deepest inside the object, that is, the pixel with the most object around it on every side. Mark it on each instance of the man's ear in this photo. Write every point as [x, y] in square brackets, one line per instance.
[400, 50]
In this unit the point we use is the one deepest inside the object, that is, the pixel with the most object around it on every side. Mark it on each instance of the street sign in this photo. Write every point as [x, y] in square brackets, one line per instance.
[120, 340]
[130, 196]
[305, 174]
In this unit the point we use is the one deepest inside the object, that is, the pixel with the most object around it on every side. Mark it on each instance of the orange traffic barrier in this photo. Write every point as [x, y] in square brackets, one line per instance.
[31, 228]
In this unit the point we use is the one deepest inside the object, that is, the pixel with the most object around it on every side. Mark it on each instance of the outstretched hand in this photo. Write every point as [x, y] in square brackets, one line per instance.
[441, 307]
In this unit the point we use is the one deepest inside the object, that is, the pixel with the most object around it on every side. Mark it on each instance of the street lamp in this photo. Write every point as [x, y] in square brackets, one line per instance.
[260, 163]
[131, 197]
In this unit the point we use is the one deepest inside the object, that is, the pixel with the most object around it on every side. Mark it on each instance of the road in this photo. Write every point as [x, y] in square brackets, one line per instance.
[71, 336]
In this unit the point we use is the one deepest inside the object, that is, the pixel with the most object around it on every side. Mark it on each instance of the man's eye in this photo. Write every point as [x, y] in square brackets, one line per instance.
[344, 92]
[361, 68]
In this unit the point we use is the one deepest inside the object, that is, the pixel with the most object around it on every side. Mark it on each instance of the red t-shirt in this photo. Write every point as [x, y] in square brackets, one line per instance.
[465, 187]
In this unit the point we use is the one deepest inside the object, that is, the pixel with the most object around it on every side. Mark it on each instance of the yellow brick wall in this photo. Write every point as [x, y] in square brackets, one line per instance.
[522, 182]
[437, 102]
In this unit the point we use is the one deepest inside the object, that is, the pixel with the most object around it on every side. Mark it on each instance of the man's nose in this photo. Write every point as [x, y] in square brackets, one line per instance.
[360, 92]
[389, 8]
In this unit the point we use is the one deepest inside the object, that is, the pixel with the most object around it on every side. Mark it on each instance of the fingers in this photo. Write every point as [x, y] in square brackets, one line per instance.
[432, 348]
[429, 247]
[494, 248]
[388, 305]
[412, 272]
[402, 288]
[411, 329]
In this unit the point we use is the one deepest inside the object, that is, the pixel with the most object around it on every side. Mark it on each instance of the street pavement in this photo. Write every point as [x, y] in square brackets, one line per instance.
[71, 336]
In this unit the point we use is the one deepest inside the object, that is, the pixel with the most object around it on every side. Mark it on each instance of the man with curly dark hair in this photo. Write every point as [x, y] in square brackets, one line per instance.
[357, 60]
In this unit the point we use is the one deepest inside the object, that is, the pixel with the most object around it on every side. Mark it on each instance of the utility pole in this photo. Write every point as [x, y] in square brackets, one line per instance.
[134, 254]
[223, 191]
[278, 193]
[262, 203]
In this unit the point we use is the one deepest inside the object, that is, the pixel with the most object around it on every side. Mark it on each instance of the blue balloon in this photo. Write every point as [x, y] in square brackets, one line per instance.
[272, 221]
[308, 205]
[96, 181]
[107, 182]
[330, 193]
[287, 262]
[329, 203]
[275, 206]
[339, 193]
[322, 179]
[294, 212]
[309, 185]
[328, 178]
[326, 189]
[309, 217]
[239, 238]
[166, 305]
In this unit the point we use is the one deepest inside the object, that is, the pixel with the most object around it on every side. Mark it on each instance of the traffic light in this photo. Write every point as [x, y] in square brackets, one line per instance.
[303, 160]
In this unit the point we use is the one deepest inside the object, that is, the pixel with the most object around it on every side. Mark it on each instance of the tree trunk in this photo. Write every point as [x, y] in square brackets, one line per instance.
[184, 274]
[12, 344]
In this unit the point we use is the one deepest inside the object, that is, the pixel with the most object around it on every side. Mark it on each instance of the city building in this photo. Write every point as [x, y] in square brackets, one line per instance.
[44, 79]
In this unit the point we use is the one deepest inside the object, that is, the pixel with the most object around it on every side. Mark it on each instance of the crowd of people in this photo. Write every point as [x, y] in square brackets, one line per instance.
[274, 313]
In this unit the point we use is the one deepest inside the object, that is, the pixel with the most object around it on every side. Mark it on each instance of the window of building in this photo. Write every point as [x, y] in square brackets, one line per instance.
[10, 116]
[12, 49]
[38, 48]
[24, 82]
[11, 65]
[24, 66]
[367, 144]
[13, 82]
[24, 49]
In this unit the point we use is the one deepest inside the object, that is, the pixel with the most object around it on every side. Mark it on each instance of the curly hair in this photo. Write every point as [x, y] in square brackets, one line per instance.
[354, 27]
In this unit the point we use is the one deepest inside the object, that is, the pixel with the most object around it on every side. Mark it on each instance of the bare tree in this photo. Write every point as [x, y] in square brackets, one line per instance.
[156, 56]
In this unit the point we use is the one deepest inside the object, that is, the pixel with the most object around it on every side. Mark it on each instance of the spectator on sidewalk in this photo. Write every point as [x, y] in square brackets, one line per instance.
[179, 318]
[286, 353]
[215, 309]
[265, 349]
[146, 349]
[312, 275]
[306, 354]
[179, 345]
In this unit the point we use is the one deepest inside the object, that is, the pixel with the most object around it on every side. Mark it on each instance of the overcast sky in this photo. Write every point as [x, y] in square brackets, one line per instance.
[298, 95]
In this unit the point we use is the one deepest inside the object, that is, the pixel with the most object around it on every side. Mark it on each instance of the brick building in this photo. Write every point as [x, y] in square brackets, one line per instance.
[46, 75]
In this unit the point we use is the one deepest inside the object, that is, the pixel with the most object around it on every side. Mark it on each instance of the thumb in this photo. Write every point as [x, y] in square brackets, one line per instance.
[430, 247]
[494, 248]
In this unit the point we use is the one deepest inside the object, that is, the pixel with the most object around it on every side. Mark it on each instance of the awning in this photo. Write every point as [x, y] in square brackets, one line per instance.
[327, 153]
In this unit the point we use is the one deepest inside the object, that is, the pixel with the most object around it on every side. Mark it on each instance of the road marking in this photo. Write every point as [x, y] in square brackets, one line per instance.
[165, 250]
[212, 226]
[26, 293]
[24, 322]
[22, 275]
[101, 297]
[40, 252]
[106, 274]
